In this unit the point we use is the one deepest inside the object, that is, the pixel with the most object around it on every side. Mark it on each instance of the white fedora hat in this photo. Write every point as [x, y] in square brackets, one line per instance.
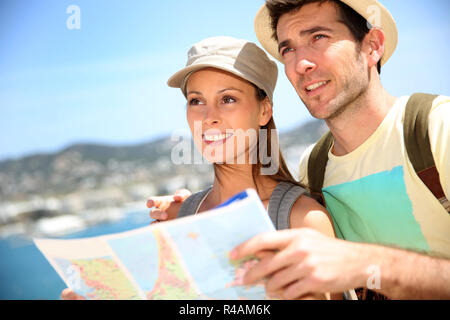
[366, 8]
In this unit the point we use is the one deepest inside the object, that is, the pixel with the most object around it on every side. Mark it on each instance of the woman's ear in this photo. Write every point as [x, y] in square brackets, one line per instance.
[266, 112]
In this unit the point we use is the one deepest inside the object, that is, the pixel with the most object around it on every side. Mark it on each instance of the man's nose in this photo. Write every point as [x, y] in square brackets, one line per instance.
[304, 64]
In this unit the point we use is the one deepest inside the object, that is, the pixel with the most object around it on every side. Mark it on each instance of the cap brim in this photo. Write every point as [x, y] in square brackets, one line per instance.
[178, 80]
[366, 8]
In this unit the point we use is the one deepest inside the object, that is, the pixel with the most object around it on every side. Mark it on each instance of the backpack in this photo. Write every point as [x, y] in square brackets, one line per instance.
[280, 204]
[417, 143]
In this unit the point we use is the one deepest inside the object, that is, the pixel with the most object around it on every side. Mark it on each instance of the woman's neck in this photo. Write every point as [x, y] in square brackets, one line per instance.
[232, 179]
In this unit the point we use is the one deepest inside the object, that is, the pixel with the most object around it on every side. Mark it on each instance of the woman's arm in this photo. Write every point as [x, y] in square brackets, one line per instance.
[308, 213]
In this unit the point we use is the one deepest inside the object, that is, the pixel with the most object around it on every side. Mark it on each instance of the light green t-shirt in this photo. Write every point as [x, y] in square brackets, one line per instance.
[374, 194]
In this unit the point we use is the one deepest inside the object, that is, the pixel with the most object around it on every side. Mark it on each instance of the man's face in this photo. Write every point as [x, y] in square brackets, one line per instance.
[322, 59]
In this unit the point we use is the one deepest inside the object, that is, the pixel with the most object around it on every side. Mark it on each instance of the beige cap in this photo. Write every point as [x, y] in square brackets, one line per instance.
[371, 10]
[240, 57]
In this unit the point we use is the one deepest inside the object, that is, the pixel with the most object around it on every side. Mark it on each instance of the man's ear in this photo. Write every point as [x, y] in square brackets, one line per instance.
[266, 112]
[373, 46]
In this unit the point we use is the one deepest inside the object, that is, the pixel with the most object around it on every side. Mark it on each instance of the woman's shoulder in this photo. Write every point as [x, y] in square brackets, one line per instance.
[282, 199]
[308, 213]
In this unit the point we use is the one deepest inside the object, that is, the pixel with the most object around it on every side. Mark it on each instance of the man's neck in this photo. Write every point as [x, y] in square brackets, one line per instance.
[361, 119]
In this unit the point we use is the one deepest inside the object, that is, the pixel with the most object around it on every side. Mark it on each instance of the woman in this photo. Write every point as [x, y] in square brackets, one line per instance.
[229, 85]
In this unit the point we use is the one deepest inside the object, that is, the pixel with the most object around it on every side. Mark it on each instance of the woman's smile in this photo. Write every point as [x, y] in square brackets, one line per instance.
[215, 139]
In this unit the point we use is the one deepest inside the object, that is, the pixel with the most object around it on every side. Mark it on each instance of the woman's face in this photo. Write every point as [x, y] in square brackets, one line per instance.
[224, 115]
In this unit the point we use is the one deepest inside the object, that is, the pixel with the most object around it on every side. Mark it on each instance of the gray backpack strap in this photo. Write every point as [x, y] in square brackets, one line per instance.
[191, 205]
[281, 203]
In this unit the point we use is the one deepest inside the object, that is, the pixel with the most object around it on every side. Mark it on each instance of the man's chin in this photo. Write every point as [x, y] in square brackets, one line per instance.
[325, 109]
[320, 112]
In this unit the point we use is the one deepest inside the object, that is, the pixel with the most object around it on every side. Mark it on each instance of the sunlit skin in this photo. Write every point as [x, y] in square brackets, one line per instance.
[219, 102]
[224, 103]
[317, 47]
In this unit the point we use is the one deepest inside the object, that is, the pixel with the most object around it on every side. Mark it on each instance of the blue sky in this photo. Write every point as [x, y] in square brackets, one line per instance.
[106, 82]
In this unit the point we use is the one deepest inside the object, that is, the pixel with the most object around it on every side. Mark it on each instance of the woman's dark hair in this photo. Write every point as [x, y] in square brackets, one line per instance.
[283, 173]
[356, 23]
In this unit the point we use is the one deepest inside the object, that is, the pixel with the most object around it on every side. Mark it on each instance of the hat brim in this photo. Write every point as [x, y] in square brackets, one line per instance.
[179, 79]
[366, 8]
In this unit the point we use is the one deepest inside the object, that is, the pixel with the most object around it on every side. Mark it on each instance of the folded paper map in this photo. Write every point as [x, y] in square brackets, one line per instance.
[186, 258]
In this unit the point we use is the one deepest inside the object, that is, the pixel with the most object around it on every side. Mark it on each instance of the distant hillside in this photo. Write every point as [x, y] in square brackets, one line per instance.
[305, 134]
[90, 166]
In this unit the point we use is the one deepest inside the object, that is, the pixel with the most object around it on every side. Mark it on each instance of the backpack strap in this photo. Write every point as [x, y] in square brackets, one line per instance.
[191, 205]
[317, 164]
[281, 202]
[417, 142]
[415, 130]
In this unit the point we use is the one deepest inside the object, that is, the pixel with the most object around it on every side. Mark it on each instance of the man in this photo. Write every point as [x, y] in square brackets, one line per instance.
[333, 57]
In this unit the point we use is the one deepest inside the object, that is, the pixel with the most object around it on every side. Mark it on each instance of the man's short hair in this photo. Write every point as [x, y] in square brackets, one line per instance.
[357, 24]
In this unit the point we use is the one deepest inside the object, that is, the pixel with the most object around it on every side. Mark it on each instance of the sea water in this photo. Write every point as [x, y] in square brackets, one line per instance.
[25, 274]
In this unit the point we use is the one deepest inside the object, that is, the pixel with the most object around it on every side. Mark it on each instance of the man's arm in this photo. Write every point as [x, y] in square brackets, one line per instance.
[307, 261]
[409, 275]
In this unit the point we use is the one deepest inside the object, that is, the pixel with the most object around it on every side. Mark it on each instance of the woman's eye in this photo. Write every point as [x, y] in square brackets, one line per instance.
[194, 102]
[228, 99]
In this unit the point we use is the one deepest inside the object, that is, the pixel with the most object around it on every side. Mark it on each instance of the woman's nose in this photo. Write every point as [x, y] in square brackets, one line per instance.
[211, 116]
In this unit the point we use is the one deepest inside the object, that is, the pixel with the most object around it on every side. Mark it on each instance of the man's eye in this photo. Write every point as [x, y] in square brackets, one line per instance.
[319, 36]
[285, 51]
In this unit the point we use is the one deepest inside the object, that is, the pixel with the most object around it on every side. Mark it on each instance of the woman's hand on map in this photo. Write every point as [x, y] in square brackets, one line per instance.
[167, 207]
[68, 294]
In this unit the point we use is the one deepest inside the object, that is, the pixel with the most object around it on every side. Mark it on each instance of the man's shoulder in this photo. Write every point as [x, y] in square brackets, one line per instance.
[439, 111]
[439, 116]
[440, 103]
